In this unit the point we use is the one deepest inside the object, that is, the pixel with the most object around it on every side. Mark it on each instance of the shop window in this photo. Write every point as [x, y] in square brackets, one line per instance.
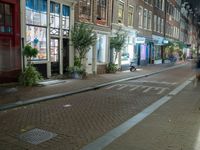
[101, 48]
[65, 20]
[36, 12]
[54, 18]
[130, 15]
[36, 26]
[85, 9]
[120, 12]
[143, 52]
[157, 52]
[6, 20]
[36, 37]
[101, 12]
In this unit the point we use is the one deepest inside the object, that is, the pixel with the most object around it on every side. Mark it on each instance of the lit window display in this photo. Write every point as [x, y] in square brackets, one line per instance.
[157, 52]
[36, 12]
[36, 36]
[36, 32]
[101, 48]
[143, 52]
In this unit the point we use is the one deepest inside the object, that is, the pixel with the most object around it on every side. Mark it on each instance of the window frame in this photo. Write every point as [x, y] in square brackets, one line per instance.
[4, 24]
[149, 21]
[132, 15]
[120, 20]
[145, 19]
[140, 22]
[88, 9]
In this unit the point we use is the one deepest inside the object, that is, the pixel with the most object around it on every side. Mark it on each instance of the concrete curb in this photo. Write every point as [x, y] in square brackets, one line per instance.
[53, 96]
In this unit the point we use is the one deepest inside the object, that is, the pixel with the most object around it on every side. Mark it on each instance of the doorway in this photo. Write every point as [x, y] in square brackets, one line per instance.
[54, 47]
[65, 54]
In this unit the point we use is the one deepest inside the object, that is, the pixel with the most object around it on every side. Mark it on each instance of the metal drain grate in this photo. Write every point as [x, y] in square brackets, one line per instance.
[37, 136]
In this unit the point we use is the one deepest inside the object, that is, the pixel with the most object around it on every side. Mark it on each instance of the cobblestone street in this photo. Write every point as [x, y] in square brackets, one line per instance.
[81, 118]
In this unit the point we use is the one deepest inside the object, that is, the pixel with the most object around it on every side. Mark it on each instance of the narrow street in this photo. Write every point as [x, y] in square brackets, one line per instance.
[78, 120]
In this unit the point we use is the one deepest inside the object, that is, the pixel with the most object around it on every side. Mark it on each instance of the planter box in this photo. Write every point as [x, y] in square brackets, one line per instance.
[158, 61]
[76, 76]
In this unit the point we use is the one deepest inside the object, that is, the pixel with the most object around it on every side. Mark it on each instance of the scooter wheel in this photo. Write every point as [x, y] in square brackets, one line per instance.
[132, 69]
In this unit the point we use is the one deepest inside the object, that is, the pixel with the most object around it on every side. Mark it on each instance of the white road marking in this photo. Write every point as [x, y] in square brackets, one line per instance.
[162, 90]
[135, 87]
[147, 90]
[156, 82]
[122, 87]
[110, 87]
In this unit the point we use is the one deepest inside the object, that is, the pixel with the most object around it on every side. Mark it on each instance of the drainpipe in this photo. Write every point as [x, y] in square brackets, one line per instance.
[164, 31]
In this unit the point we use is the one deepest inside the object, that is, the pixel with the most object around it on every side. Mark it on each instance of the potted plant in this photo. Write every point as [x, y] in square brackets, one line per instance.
[82, 37]
[30, 76]
[117, 44]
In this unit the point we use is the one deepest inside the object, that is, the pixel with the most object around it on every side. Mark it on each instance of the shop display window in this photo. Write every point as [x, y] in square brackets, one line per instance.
[101, 48]
[157, 52]
[36, 36]
[36, 12]
[143, 52]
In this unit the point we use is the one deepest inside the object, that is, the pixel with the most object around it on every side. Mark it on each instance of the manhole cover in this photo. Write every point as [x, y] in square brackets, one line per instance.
[37, 136]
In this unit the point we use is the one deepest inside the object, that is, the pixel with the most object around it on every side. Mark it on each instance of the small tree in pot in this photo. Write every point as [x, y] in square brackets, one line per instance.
[82, 37]
[30, 76]
[117, 43]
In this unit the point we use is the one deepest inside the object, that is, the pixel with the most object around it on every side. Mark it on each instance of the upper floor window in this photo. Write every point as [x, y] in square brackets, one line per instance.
[36, 12]
[140, 16]
[130, 15]
[6, 18]
[162, 25]
[158, 24]
[145, 18]
[101, 9]
[155, 23]
[85, 9]
[149, 25]
[120, 12]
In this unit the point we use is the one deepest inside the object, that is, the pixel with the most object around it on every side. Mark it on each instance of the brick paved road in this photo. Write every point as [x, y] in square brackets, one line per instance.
[79, 119]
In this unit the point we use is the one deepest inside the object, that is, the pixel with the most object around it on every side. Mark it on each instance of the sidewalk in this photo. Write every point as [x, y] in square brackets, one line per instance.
[174, 126]
[18, 94]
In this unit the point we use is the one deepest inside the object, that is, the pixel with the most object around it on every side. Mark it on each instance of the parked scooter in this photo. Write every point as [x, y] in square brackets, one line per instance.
[132, 67]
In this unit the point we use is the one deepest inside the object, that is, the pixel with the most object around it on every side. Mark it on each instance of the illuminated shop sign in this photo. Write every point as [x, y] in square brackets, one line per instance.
[140, 40]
